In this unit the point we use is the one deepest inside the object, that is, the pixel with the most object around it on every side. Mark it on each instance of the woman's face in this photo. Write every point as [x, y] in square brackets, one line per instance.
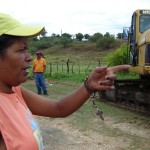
[15, 63]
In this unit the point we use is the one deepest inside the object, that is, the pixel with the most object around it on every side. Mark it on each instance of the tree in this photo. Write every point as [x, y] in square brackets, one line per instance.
[105, 42]
[119, 35]
[95, 37]
[65, 41]
[53, 35]
[57, 35]
[107, 34]
[79, 36]
[86, 36]
[66, 35]
[44, 33]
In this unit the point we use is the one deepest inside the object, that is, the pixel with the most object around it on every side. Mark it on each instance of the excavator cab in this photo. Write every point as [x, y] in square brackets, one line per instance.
[139, 42]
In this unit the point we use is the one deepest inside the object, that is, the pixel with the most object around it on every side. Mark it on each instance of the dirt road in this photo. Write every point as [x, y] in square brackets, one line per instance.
[59, 134]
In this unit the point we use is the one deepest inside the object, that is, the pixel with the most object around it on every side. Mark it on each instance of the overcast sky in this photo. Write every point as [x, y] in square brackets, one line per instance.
[75, 16]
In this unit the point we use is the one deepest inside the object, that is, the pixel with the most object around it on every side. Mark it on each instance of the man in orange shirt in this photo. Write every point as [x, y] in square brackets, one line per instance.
[39, 67]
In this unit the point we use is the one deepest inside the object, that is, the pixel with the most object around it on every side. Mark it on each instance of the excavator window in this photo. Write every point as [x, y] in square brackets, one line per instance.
[144, 23]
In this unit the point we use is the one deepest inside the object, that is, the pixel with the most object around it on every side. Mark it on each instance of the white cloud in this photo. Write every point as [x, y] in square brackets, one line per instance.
[73, 16]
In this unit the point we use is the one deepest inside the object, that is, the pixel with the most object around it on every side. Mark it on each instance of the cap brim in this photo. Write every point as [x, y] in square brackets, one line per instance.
[25, 30]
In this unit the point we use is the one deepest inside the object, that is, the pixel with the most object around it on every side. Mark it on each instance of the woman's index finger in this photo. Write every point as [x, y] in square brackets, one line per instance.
[119, 68]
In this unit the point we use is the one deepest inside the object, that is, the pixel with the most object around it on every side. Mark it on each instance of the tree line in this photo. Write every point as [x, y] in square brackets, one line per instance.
[105, 41]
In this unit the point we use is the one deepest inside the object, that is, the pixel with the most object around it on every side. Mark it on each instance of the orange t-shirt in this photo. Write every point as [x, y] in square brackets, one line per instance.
[17, 125]
[39, 65]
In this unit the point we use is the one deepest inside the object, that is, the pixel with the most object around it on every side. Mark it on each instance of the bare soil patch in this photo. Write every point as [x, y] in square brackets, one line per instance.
[59, 134]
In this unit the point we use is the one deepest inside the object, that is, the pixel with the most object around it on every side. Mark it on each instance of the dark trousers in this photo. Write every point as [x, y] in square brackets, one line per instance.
[40, 83]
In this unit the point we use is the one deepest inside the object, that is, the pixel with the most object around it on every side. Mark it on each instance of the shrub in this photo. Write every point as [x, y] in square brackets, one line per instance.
[105, 42]
[119, 56]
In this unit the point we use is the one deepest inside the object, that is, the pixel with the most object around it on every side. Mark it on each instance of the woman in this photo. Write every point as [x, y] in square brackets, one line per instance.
[18, 129]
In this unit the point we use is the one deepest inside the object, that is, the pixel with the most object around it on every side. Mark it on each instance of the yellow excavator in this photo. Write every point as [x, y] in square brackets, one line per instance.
[135, 92]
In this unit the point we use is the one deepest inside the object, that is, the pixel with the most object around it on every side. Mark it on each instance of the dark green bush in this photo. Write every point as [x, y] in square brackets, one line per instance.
[105, 42]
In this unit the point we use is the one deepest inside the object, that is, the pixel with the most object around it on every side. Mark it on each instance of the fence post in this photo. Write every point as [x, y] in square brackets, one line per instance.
[62, 67]
[79, 67]
[68, 66]
[99, 62]
[72, 67]
[50, 69]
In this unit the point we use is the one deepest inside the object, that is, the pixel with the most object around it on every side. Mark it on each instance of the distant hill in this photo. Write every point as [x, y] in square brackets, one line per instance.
[83, 51]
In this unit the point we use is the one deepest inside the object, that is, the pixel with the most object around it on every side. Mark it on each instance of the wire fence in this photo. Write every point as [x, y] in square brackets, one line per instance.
[70, 67]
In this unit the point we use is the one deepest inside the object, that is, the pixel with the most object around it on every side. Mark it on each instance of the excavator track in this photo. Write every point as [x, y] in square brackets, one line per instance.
[132, 94]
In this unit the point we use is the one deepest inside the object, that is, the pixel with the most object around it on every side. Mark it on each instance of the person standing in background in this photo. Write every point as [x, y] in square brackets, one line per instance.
[39, 67]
